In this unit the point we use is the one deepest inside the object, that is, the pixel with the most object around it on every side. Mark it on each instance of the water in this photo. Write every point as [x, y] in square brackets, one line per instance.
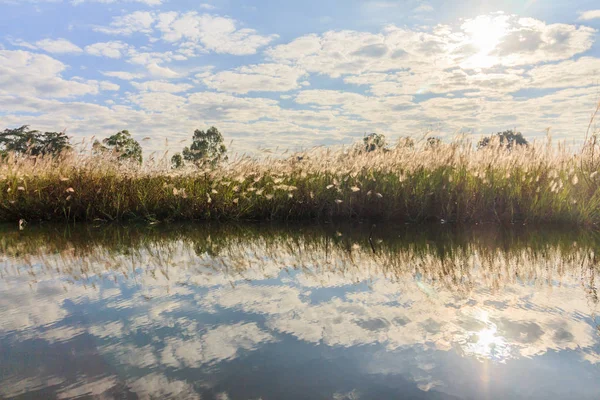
[298, 312]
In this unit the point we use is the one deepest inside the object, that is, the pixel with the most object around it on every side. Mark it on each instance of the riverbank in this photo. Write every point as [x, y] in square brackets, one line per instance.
[454, 183]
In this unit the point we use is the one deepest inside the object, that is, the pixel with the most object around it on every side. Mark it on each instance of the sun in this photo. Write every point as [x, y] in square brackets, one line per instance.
[485, 33]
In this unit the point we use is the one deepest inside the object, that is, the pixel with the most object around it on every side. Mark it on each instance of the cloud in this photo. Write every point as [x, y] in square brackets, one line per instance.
[194, 32]
[136, 22]
[223, 342]
[158, 386]
[147, 2]
[114, 49]
[58, 46]
[513, 42]
[161, 86]
[571, 73]
[213, 33]
[26, 73]
[127, 76]
[423, 8]
[253, 78]
[78, 2]
[589, 15]
[161, 72]
[398, 80]
[88, 387]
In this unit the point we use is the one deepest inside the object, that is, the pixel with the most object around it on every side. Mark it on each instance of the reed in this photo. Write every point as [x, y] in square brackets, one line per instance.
[448, 182]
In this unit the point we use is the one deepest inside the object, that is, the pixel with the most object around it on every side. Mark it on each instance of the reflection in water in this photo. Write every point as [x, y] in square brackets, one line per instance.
[248, 312]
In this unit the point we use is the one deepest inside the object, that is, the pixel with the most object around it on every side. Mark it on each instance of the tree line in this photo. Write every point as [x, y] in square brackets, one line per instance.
[207, 146]
[506, 139]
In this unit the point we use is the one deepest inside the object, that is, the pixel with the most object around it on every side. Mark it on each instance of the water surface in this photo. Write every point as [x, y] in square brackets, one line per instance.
[298, 312]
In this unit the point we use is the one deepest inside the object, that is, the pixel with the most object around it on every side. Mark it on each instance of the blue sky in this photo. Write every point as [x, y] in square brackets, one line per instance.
[294, 74]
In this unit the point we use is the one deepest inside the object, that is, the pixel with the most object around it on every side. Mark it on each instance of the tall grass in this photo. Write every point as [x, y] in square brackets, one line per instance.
[453, 182]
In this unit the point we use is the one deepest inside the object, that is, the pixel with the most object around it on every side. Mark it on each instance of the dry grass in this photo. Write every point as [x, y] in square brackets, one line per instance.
[452, 182]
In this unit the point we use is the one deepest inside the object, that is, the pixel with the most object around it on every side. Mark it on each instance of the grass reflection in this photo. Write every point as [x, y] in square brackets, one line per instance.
[433, 256]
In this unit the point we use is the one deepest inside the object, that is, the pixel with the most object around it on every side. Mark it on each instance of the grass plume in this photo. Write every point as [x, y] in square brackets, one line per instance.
[453, 182]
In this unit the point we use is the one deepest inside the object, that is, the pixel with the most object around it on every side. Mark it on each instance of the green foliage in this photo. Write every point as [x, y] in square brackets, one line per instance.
[373, 141]
[507, 139]
[122, 144]
[207, 148]
[22, 140]
[177, 161]
[433, 142]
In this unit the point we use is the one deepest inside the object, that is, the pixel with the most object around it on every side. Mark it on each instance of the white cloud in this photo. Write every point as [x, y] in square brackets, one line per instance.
[138, 21]
[213, 33]
[109, 86]
[88, 387]
[223, 342]
[207, 6]
[157, 386]
[26, 73]
[58, 46]
[162, 102]
[582, 72]
[193, 32]
[161, 72]
[22, 43]
[387, 69]
[589, 15]
[161, 86]
[146, 57]
[423, 8]
[147, 2]
[114, 49]
[262, 77]
[513, 42]
[127, 76]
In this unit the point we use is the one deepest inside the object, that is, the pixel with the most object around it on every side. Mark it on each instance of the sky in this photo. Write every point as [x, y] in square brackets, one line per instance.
[297, 74]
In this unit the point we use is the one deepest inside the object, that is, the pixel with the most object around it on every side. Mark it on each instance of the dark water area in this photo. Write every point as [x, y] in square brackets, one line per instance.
[298, 312]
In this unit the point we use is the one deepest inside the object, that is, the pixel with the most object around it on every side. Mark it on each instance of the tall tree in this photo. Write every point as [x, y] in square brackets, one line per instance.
[22, 140]
[433, 142]
[207, 148]
[507, 139]
[176, 161]
[373, 141]
[121, 144]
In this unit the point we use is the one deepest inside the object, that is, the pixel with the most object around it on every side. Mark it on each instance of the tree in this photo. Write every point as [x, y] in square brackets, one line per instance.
[176, 161]
[406, 142]
[506, 139]
[121, 144]
[433, 142]
[22, 140]
[207, 148]
[373, 141]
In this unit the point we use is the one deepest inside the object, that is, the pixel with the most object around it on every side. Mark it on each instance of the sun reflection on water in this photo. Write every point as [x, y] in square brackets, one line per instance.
[487, 343]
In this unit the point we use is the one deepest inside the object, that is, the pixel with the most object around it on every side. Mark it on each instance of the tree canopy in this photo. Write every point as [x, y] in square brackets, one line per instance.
[22, 140]
[122, 144]
[177, 161]
[373, 141]
[433, 142]
[507, 139]
[207, 148]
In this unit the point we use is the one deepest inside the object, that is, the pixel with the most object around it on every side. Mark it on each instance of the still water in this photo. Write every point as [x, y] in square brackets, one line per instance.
[298, 312]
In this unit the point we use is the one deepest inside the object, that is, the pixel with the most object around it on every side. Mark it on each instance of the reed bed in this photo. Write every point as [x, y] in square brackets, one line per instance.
[448, 182]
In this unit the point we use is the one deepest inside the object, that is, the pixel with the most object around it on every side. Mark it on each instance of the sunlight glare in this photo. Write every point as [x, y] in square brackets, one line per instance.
[485, 33]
